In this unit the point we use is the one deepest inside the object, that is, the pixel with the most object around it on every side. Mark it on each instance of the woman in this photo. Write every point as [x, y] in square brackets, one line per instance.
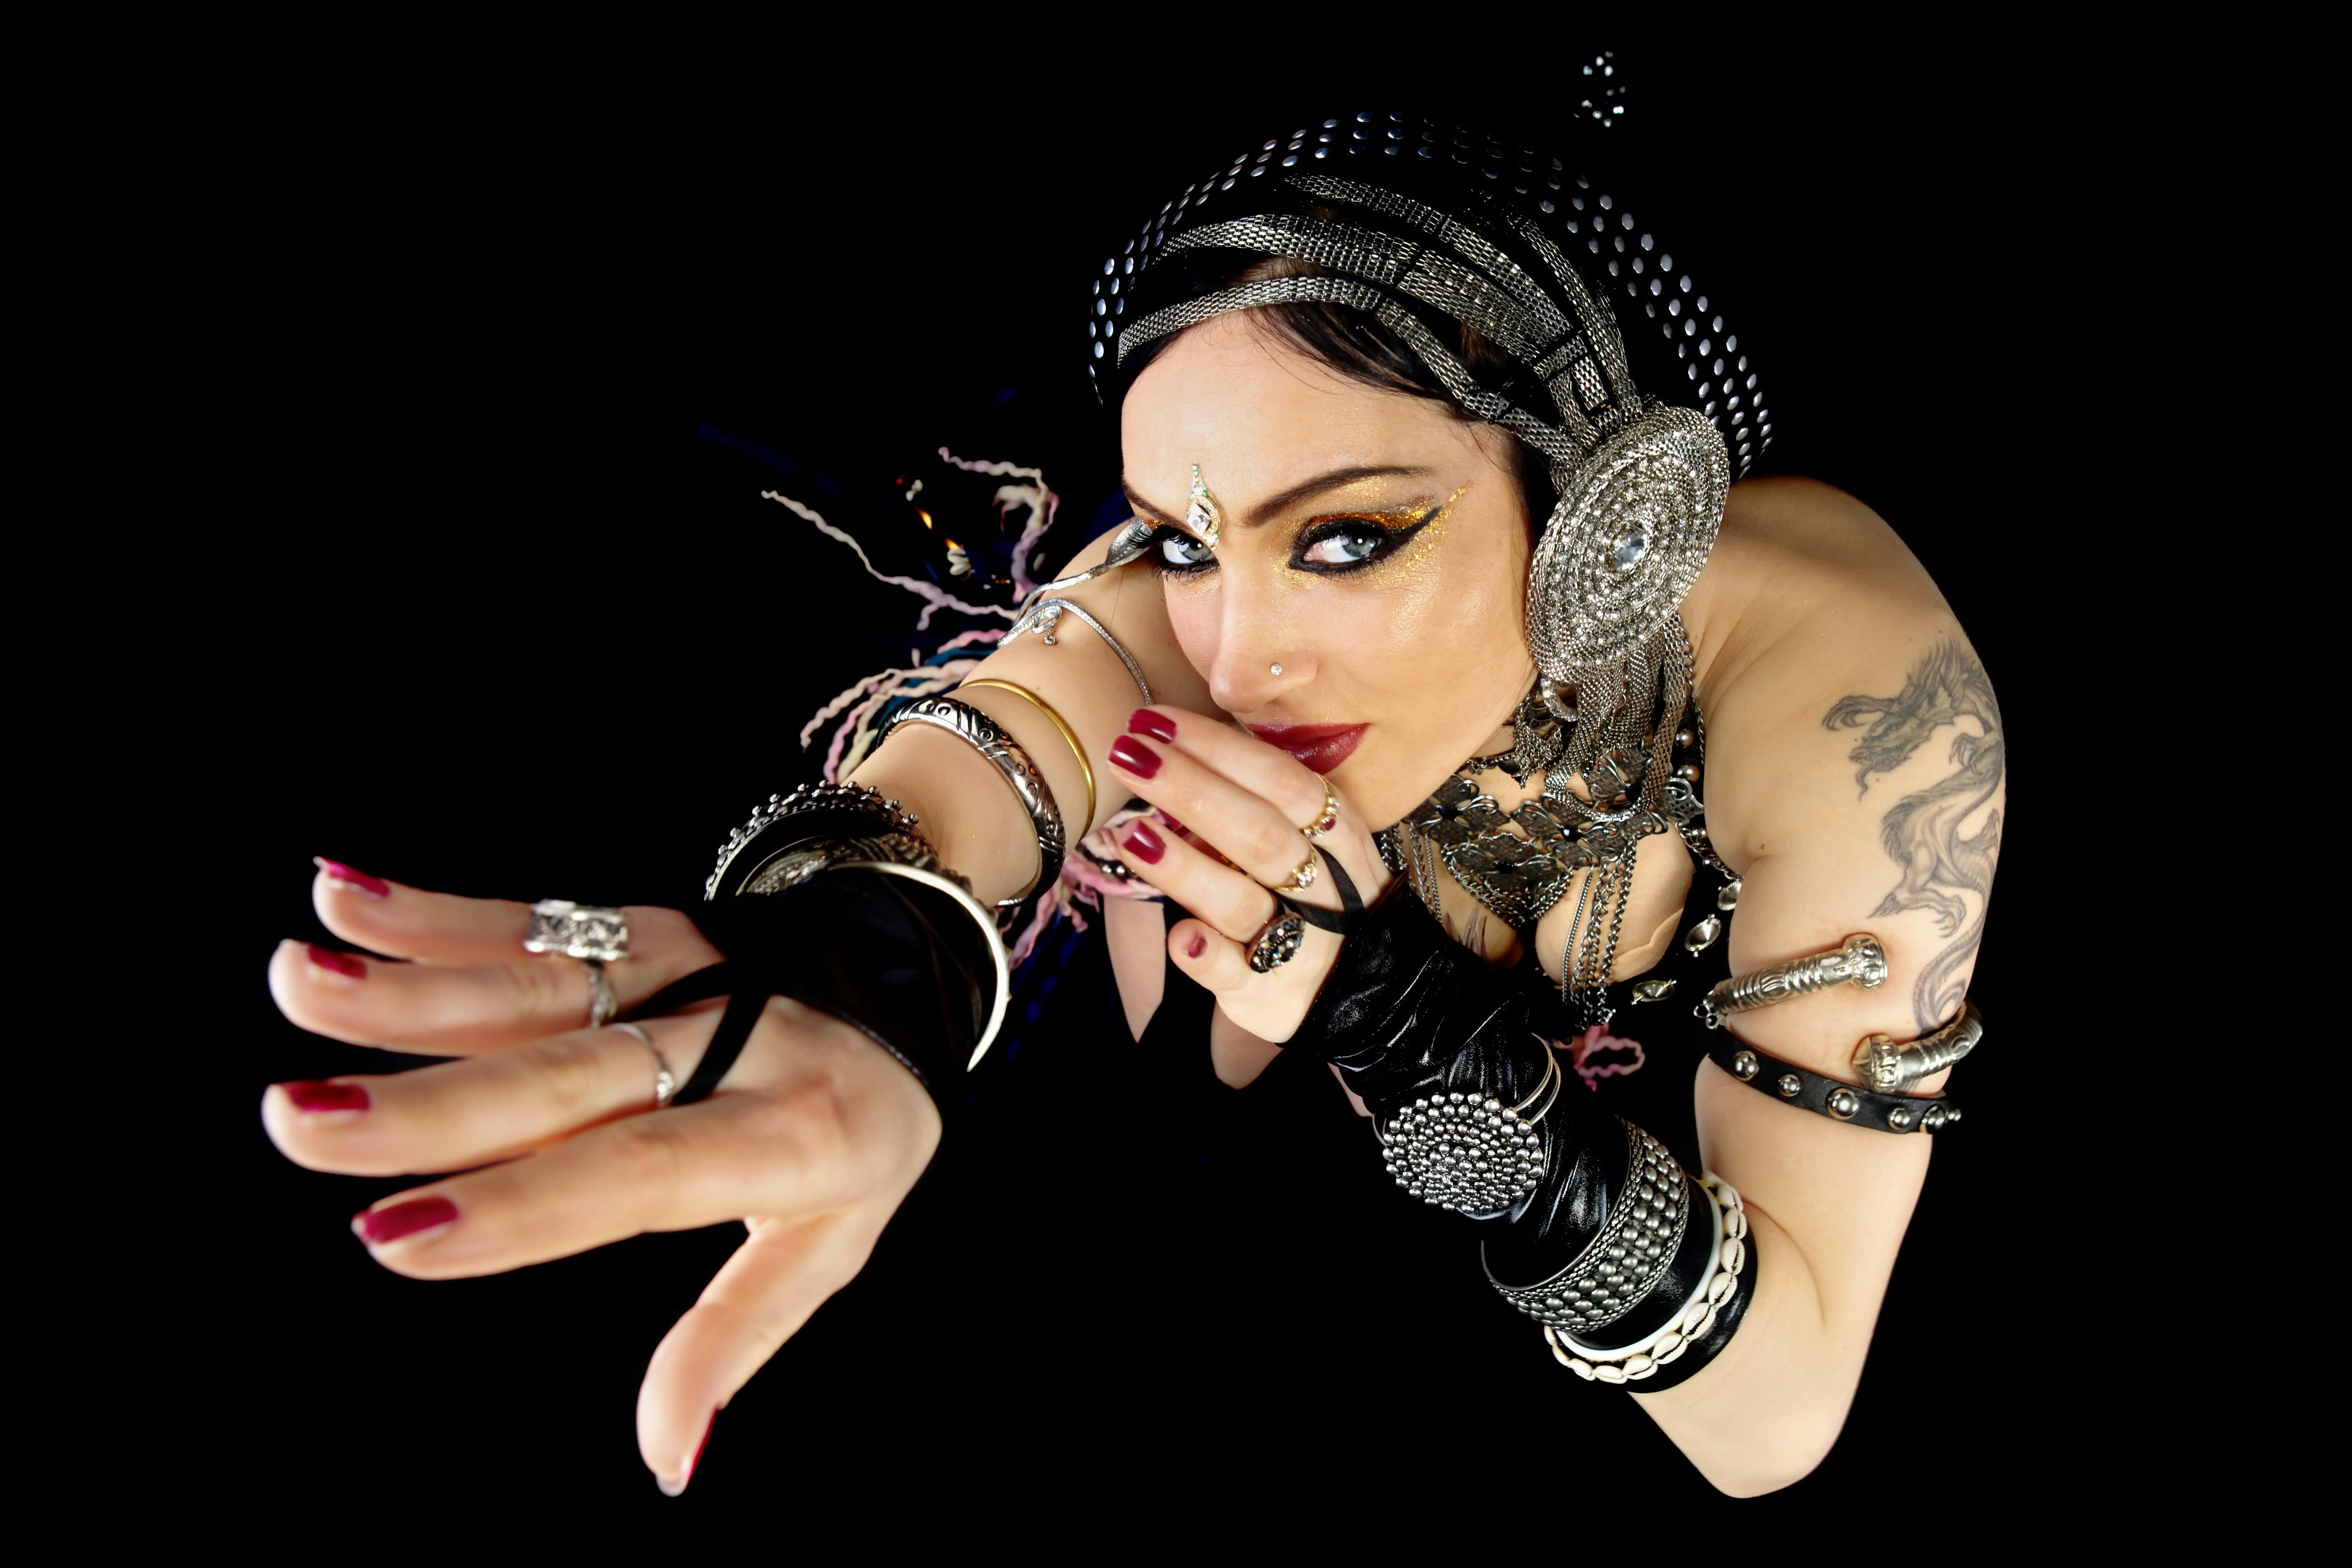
[1421, 504]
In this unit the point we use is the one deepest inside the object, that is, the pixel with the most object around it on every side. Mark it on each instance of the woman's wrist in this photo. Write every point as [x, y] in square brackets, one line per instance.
[972, 821]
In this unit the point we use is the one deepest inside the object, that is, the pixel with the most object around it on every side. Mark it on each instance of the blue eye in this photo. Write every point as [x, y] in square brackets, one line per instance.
[1183, 550]
[1351, 547]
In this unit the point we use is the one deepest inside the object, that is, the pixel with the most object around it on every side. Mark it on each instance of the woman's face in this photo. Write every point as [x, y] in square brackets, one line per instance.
[1374, 548]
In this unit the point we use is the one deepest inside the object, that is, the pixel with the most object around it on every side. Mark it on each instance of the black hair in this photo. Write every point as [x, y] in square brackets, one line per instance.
[1352, 343]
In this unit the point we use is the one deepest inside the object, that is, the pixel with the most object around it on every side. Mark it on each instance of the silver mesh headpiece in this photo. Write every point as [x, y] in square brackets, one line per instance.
[1429, 230]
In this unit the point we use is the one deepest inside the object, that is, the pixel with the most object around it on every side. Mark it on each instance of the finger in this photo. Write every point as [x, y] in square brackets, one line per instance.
[485, 1108]
[1289, 785]
[1212, 959]
[1229, 902]
[1244, 825]
[771, 1287]
[447, 1009]
[443, 928]
[792, 1132]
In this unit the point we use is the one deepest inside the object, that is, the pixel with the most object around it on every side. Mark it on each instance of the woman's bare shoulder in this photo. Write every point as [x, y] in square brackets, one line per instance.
[1812, 617]
[1806, 584]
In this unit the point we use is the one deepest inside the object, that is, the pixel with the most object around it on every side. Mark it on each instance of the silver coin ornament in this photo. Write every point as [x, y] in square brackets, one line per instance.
[1461, 1153]
[1635, 524]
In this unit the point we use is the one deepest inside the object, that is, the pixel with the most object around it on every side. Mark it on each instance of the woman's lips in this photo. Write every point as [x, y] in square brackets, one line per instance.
[1320, 746]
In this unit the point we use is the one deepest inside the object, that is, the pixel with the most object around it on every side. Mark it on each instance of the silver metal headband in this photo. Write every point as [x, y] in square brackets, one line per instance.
[1571, 344]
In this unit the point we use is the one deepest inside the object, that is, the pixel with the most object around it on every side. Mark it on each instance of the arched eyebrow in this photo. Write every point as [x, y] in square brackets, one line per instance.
[1274, 505]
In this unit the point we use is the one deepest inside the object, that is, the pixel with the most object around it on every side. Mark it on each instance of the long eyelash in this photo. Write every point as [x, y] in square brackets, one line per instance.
[1157, 559]
[1393, 538]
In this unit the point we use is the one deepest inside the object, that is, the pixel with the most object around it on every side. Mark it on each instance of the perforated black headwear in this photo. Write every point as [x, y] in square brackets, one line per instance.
[1425, 227]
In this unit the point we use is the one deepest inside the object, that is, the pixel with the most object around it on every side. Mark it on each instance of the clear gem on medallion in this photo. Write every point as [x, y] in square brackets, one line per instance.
[1628, 549]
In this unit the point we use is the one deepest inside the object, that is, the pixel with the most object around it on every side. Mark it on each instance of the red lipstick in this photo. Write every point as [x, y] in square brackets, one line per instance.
[1320, 746]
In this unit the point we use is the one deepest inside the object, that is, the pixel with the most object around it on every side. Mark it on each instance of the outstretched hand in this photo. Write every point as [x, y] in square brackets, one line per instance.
[813, 1139]
[1243, 806]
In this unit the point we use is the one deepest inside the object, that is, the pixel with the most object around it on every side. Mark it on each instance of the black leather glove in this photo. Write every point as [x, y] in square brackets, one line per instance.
[1407, 1013]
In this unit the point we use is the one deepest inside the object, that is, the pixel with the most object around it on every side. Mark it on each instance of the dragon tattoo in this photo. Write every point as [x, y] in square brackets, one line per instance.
[1921, 832]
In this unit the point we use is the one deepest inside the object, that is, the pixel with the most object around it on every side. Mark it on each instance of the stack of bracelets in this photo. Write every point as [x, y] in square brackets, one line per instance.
[1638, 1271]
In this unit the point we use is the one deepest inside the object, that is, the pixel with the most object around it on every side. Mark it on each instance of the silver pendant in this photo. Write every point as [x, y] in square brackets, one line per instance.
[1701, 937]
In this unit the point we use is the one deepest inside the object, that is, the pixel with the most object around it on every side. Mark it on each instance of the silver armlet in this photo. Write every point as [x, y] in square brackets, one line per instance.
[1125, 546]
[1890, 1068]
[1860, 960]
[978, 731]
[1045, 615]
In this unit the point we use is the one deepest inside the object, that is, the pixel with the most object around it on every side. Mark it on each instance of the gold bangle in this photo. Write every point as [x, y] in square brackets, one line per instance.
[1085, 769]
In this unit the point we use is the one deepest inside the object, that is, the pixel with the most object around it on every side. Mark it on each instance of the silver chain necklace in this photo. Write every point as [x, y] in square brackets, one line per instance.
[1622, 747]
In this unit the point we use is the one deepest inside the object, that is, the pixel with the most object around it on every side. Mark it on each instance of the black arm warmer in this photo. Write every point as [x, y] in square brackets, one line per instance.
[893, 957]
[1407, 1012]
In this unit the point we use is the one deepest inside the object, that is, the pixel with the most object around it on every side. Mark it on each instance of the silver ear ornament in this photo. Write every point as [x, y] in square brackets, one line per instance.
[1633, 526]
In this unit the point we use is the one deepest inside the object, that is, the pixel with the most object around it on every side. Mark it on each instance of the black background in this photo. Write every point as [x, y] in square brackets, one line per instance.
[485, 612]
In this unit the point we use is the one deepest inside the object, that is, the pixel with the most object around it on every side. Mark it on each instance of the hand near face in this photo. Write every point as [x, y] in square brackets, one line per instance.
[1244, 805]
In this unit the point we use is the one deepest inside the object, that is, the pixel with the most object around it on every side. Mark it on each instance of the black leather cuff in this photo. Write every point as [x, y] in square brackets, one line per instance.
[1408, 1011]
[897, 959]
[1697, 1353]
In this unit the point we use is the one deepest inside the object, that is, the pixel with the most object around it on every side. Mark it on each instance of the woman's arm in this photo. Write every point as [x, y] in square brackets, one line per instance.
[969, 815]
[1855, 779]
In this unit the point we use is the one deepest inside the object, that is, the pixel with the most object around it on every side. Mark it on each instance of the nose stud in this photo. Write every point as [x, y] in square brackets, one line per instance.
[1275, 669]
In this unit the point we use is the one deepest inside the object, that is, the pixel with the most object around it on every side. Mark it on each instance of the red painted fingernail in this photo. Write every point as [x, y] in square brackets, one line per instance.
[673, 1488]
[1149, 721]
[403, 1219]
[1135, 757]
[358, 881]
[1144, 844]
[1168, 821]
[1197, 946]
[344, 964]
[318, 1095]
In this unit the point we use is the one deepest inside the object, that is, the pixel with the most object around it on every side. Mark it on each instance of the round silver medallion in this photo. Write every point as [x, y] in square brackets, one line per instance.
[1459, 1152]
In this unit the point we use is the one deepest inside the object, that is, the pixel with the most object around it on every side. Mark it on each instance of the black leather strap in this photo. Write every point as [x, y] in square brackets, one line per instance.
[1340, 921]
[1846, 1102]
[891, 957]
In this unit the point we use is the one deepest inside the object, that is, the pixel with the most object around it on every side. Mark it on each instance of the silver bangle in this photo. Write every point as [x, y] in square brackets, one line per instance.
[981, 733]
[896, 847]
[1860, 960]
[1047, 614]
[1626, 1256]
[1890, 1068]
[1630, 1363]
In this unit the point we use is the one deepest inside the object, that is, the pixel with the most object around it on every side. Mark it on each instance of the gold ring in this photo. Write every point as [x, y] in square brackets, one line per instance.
[1301, 879]
[1330, 818]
